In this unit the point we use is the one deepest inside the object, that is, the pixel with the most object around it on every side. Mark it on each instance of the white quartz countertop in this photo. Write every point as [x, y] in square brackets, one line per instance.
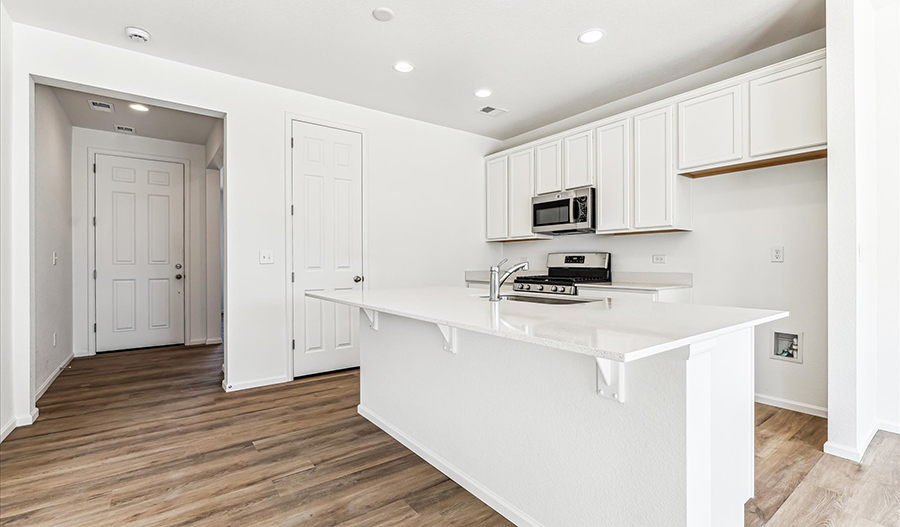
[619, 329]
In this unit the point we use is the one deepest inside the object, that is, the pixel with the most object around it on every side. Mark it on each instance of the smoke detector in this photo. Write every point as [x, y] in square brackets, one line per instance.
[137, 34]
[493, 112]
[121, 128]
[101, 106]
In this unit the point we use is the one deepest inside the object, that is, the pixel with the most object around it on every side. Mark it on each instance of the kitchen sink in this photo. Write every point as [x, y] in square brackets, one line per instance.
[544, 299]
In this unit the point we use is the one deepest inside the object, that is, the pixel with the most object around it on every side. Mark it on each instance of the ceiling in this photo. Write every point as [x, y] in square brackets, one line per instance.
[526, 51]
[158, 123]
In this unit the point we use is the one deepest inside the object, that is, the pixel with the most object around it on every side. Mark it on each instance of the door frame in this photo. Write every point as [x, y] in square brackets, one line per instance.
[289, 119]
[92, 234]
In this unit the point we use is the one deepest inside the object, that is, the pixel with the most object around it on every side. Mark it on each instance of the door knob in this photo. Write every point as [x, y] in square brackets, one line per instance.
[178, 277]
[177, 266]
[357, 279]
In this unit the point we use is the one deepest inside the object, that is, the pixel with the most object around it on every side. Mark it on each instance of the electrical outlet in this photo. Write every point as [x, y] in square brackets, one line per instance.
[659, 258]
[54, 340]
[778, 253]
[266, 257]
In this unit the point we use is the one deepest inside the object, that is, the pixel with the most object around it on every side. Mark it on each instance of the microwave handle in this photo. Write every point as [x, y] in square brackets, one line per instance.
[572, 206]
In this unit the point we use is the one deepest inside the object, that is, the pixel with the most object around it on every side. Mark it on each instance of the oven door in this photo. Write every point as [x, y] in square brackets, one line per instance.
[563, 212]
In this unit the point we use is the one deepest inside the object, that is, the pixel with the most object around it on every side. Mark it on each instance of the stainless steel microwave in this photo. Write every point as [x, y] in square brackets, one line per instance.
[569, 212]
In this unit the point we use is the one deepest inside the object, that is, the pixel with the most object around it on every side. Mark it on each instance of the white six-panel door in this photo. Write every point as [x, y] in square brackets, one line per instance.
[327, 245]
[139, 248]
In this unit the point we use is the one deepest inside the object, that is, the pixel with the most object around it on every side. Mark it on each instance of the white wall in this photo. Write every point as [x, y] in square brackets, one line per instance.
[52, 217]
[737, 219]
[887, 31]
[195, 199]
[213, 257]
[7, 412]
[418, 176]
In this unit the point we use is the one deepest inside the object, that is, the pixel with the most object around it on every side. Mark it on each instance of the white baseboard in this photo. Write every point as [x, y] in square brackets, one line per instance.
[7, 427]
[492, 500]
[854, 454]
[43, 387]
[795, 406]
[889, 426]
[196, 342]
[28, 419]
[235, 387]
[210, 342]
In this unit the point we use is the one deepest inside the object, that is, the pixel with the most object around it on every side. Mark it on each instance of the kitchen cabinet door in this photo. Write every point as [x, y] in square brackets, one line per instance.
[787, 110]
[654, 171]
[710, 128]
[497, 199]
[613, 176]
[548, 167]
[521, 190]
[578, 160]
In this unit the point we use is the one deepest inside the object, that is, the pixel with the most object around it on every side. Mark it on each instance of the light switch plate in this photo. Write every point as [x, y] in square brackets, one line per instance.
[266, 257]
[777, 253]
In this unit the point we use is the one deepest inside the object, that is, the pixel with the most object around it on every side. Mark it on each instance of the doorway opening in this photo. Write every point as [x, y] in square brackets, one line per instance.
[127, 226]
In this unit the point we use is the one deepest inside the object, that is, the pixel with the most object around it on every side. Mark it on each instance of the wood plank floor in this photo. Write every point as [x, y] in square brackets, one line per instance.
[148, 438]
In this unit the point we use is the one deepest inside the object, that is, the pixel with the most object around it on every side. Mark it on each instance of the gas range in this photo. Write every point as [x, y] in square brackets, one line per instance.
[565, 271]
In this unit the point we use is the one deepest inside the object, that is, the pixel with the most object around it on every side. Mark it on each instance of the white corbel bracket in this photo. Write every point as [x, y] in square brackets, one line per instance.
[451, 341]
[372, 315]
[611, 379]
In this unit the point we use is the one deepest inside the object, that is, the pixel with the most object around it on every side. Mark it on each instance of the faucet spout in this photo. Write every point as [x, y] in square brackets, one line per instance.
[497, 280]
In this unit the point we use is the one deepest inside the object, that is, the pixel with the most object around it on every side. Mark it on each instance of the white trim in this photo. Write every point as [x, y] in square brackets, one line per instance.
[289, 119]
[210, 342]
[256, 384]
[27, 419]
[851, 453]
[7, 428]
[43, 388]
[803, 408]
[488, 497]
[889, 426]
[92, 264]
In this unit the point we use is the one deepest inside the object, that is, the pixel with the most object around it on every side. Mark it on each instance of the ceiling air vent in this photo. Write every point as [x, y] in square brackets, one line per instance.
[101, 106]
[125, 129]
[493, 112]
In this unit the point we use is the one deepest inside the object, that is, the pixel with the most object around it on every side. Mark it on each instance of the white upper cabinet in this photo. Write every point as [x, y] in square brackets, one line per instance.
[548, 167]
[654, 174]
[710, 128]
[787, 110]
[613, 176]
[521, 190]
[578, 160]
[497, 198]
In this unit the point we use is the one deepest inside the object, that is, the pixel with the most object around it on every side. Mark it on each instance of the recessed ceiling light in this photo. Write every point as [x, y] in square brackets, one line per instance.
[137, 34]
[404, 67]
[484, 92]
[139, 107]
[383, 14]
[590, 36]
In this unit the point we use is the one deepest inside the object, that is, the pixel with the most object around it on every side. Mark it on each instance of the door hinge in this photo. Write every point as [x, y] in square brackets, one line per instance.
[95, 168]
[293, 344]
[292, 210]
[292, 276]
[292, 142]
[95, 221]
[95, 274]
[95, 327]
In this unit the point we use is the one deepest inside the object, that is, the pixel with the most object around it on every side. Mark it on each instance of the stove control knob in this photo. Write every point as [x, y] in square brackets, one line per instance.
[527, 287]
[540, 288]
[562, 289]
[554, 289]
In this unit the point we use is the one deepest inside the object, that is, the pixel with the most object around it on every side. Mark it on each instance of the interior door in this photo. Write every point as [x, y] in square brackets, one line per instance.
[327, 245]
[139, 249]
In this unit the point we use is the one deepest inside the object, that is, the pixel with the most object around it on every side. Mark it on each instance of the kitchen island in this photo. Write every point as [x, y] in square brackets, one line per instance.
[612, 412]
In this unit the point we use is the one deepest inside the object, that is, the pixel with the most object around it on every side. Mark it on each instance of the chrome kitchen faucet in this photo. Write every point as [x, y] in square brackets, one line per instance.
[497, 280]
